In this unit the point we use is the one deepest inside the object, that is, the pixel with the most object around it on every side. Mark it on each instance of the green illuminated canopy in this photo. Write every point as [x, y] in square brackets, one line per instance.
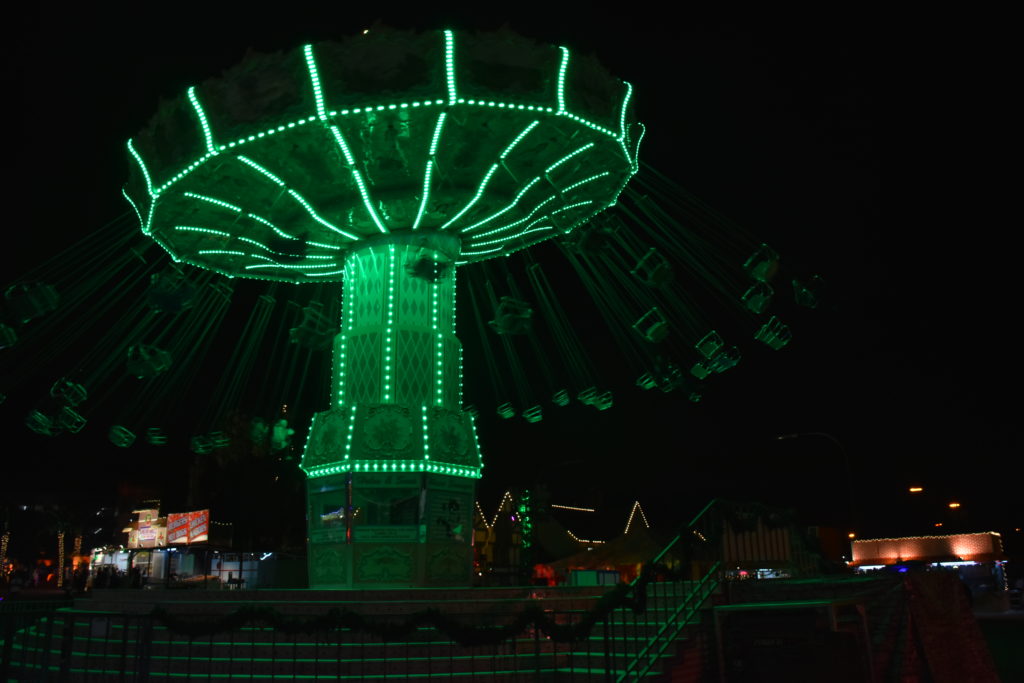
[280, 167]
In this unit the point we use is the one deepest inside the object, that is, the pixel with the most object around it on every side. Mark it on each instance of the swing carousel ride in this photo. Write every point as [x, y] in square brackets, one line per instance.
[298, 225]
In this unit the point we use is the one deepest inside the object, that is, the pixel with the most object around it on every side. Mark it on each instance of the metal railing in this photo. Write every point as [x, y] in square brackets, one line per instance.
[16, 615]
[630, 641]
[101, 646]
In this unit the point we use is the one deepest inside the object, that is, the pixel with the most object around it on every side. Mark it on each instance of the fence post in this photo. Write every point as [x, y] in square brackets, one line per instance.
[145, 632]
[67, 636]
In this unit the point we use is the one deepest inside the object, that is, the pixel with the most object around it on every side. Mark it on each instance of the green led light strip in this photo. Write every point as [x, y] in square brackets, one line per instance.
[286, 267]
[459, 397]
[636, 148]
[568, 156]
[314, 77]
[476, 197]
[508, 238]
[572, 206]
[211, 148]
[426, 434]
[577, 184]
[622, 110]
[335, 247]
[435, 306]
[142, 167]
[142, 223]
[438, 127]
[348, 311]
[211, 231]
[358, 178]
[221, 252]
[351, 431]
[478, 253]
[394, 466]
[327, 274]
[518, 139]
[279, 231]
[308, 441]
[213, 200]
[263, 171]
[476, 439]
[449, 65]
[317, 217]
[560, 88]
[389, 328]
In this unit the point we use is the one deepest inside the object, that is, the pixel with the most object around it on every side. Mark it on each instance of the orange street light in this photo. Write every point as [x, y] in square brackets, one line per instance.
[916, 489]
[954, 505]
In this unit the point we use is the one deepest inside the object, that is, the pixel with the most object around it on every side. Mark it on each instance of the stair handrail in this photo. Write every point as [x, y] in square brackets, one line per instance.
[704, 587]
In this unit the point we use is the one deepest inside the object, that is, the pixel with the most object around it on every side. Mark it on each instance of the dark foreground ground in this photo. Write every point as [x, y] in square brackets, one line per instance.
[1004, 634]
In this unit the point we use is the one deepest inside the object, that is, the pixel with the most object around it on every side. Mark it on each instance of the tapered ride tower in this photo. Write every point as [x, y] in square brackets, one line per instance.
[391, 466]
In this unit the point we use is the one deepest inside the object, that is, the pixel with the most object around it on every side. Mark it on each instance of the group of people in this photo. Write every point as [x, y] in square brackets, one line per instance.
[76, 579]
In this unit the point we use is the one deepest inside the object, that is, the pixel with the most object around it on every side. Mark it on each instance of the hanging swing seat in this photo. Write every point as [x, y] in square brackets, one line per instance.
[710, 345]
[763, 264]
[170, 291]
[27, 301]
[156, 437]
[774, 333]
[653, 269]
[41, 423]
[68, 391]
[145, 361]
[757, 297]
[200, 445]
[218, 439]
[512, 316]
[652, 326]
[8, 336]
[808, 294]
[315, 332]
[70, 420]
[121, 436]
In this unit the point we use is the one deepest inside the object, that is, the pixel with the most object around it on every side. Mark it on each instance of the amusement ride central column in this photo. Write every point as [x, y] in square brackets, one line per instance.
[391, 467]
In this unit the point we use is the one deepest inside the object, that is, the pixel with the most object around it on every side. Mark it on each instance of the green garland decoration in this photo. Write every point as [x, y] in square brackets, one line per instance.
[532, 616]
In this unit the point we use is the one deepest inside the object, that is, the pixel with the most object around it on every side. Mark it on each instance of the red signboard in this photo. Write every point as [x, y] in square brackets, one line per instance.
[188, 527]
[198, 526]
[177, 527]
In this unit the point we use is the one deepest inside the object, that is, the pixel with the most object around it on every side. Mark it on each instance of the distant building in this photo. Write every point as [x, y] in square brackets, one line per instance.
[978, 558]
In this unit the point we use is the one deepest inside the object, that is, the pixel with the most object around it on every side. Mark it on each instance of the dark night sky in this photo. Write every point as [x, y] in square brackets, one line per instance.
[858, 148]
